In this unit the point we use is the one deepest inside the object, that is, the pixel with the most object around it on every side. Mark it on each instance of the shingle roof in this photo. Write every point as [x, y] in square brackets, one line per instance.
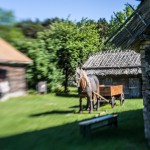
[8, 54]
[114, 63]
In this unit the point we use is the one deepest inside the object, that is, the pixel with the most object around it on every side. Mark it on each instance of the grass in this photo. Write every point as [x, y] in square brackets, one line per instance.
[49, 122]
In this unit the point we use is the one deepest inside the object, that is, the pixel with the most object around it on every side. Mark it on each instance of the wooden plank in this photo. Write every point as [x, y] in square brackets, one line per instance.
[86, 127]
[111, 90]
[95, 120]
[105, 100]
[116, 90]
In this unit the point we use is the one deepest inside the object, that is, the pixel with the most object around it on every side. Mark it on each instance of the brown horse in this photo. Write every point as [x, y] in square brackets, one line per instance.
[87, 85]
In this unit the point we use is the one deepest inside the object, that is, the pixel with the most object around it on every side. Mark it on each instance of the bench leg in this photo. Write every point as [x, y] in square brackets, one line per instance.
[85, 131]
[115, 121]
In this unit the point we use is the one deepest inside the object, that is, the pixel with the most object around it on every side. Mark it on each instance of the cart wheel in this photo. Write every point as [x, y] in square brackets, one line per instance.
[113, 102]
[122, 99]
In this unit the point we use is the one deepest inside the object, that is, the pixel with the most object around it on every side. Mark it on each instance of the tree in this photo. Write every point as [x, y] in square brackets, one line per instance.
[30, 28]
[70, 44]
[42, 69]
[6, 17]
[103, 27]
[11, 33]
[119, 18]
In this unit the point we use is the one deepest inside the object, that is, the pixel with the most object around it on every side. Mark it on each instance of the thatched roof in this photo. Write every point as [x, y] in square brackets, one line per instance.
[8, 54]
[114, 63]
[135, 28]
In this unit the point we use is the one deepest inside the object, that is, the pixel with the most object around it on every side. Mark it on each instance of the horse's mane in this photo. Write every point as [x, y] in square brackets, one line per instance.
[84, 75]
[86, 78]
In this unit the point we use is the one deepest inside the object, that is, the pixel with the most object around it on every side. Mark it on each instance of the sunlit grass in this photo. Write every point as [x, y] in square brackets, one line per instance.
[51, 122]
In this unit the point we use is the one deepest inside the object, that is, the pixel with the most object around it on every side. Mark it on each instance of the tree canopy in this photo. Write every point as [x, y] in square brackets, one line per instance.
[69, 44]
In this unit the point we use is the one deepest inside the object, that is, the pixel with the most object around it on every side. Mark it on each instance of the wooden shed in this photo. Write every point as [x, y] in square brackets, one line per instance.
[12, 71]
[135, 34]
[117, 67]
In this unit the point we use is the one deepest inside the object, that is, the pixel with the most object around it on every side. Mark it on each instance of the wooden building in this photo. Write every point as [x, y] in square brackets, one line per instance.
[115, 68]
[135, 34]
[12, 71]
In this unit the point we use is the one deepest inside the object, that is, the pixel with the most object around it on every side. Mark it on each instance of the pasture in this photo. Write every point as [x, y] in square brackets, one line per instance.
[50, 122]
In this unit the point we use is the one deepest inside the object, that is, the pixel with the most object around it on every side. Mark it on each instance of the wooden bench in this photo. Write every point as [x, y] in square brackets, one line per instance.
[86, 127]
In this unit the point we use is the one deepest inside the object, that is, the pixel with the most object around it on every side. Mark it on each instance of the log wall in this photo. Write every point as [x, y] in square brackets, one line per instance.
[131, 90]
[16, 77]
[145, 60]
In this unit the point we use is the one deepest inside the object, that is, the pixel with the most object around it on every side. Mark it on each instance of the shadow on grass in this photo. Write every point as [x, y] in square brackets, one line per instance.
[52, 112]
[128, 136]
[67, 95]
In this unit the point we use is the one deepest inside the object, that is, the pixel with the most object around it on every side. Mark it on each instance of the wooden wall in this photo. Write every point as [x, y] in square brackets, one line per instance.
[145, 60]
[131, 85]
[15, 75]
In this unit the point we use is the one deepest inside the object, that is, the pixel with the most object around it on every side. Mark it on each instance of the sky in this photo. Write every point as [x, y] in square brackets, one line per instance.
[74, 9]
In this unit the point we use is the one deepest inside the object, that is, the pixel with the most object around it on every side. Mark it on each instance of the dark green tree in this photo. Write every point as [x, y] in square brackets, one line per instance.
[30, 28]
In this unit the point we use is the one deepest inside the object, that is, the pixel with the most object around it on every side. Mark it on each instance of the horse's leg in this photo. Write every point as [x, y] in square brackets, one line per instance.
[80, 101]
[91, 104]
[94, 100]
[112, 101]
[87, 105]
[122, 99]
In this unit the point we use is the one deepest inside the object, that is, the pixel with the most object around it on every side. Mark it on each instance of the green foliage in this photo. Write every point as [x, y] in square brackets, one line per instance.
[41, 69]
[11, 33]
[6, 17]
[120, 18]
[69, 44]
[31, 28]
[103, 28]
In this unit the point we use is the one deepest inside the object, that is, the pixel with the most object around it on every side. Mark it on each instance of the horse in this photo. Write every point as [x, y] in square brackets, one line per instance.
[88, 86]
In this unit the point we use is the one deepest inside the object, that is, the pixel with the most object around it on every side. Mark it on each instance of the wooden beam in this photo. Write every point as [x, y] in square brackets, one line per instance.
[120, 28]
[143, 21]
[125, 67]
[144, 37]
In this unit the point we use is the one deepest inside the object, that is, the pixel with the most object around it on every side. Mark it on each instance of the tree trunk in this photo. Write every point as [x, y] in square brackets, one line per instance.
[66, 80]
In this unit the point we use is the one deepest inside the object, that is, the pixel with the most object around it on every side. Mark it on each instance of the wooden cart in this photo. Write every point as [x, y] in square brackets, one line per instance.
[112, 92]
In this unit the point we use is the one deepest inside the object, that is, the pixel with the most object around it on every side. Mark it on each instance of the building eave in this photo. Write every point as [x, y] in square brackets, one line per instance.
[130, 32]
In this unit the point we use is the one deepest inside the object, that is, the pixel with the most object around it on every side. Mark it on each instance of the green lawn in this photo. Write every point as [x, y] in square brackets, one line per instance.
[49, 122]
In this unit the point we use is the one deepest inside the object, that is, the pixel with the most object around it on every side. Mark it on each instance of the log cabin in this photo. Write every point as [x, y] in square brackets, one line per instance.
[117, 68]
[13, 66]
